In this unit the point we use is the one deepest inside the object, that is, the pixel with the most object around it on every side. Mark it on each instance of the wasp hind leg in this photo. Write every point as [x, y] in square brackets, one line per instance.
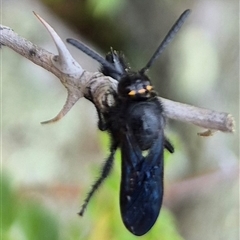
[106, 169]
[168, 145]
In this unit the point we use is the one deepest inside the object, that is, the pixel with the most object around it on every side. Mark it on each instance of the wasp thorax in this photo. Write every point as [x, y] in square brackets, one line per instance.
[135, 86]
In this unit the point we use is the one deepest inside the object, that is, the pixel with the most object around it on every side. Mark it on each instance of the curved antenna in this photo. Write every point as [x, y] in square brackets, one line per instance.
[172, 32]
[90, 52]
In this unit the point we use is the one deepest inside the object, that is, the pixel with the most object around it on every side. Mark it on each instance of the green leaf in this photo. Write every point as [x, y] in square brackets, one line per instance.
[104, 7]
[38, 223]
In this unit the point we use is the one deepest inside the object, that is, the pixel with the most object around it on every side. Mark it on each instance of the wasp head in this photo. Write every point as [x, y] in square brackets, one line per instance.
[135, 86]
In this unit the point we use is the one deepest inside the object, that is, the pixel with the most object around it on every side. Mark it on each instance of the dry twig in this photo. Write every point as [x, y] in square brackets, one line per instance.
[99, 88]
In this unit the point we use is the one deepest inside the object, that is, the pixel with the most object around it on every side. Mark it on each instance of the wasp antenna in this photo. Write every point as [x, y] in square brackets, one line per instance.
[90, 52]
[172, 32]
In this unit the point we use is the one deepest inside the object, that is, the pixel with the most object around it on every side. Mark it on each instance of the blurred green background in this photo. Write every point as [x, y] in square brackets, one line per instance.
[47, 170]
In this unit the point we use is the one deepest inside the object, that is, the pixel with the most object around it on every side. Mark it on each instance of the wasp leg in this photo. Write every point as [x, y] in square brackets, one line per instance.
[102, 125]
[106, 169]
[168, 145]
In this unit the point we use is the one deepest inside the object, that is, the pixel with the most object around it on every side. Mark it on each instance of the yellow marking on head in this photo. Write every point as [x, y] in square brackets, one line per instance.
[141, 91]
[149, 87]
[132, 93]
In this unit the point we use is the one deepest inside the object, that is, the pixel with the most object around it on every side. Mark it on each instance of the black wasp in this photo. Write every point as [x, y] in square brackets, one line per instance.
[136, 125]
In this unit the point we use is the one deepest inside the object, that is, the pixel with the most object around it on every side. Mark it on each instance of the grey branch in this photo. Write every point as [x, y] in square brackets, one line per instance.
[99, 88]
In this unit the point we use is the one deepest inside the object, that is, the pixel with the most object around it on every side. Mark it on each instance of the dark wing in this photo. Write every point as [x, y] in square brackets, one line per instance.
[119, 63]
[114, 65]
[142, 184]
